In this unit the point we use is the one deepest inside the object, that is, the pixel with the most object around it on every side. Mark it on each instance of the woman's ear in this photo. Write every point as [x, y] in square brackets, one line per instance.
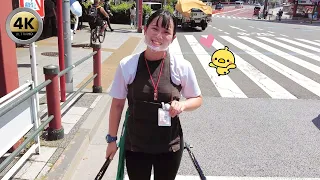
[145, 29]
[173, 38]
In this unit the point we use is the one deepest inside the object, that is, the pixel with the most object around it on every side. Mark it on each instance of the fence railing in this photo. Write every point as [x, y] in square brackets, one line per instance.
[55, 130]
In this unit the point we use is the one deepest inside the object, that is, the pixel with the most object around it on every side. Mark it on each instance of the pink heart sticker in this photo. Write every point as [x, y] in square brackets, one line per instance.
[207, 41]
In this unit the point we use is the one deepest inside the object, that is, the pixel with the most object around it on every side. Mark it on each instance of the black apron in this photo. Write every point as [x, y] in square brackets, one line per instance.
[143, 133]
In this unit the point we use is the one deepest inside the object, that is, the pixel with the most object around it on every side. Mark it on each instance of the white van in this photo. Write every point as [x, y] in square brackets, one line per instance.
[153, 5]
[239, 4]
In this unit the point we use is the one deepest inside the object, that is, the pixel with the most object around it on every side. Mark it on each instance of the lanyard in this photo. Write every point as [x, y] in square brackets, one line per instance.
[155, 87]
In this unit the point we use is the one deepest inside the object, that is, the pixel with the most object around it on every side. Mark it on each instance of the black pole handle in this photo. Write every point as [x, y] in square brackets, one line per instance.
[195, 162]
[103, 169]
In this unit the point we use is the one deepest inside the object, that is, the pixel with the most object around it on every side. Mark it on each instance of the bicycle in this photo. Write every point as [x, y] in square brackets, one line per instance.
[95, 34]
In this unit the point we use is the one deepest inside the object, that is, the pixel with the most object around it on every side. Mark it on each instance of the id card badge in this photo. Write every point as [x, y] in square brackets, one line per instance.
[164, 118]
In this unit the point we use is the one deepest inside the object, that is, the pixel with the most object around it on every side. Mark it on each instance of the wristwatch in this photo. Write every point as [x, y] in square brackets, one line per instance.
[110, 138]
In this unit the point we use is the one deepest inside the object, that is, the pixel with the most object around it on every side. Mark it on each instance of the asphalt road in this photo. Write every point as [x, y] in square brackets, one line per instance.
[262, 119]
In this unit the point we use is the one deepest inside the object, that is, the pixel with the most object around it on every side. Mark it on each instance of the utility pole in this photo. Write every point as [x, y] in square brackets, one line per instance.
[265, 7]
[61, 49]
[67, 44]
[140, 12]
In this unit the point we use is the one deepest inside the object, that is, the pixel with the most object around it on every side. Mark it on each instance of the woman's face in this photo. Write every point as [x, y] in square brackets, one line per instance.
[157, 36]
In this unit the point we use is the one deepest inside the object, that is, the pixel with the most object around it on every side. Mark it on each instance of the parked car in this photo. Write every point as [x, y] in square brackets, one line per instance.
[219, 7]
[239, 4]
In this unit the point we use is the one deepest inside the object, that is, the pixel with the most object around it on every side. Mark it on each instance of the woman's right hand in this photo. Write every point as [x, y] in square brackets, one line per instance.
[111, 150]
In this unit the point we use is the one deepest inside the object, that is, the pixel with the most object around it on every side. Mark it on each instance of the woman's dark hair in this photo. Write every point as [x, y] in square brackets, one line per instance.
[166, 18]
[133, 6]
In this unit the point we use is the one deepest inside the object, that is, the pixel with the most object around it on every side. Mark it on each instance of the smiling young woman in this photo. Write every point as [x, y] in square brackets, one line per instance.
[149, 80]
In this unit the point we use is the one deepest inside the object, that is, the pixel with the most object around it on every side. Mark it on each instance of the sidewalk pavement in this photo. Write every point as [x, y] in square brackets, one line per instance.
[286, 18]
[82, 117]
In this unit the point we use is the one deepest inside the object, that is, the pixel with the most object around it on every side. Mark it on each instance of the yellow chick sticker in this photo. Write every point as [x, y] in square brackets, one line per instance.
[223, 60]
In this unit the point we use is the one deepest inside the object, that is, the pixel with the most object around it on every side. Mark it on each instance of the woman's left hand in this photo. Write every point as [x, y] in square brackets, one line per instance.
[176, 108]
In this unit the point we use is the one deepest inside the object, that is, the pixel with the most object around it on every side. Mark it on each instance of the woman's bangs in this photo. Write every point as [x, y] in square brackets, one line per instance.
[166, 19]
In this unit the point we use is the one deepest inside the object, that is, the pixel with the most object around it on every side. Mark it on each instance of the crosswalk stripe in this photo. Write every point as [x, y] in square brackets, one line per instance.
[282, 69]
[190, 177]
[289, 57]
[284, 35]
[296, 50]
[175, 49]
[224, 84]
[300, 44]
[264, 82]
[317, 40]
[307, 41]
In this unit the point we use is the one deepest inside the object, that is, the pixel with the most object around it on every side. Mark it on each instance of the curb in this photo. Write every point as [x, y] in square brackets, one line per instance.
[69, 160]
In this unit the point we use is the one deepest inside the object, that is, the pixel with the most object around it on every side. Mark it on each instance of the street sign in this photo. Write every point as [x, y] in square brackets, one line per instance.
[24, 25]
[37, 5]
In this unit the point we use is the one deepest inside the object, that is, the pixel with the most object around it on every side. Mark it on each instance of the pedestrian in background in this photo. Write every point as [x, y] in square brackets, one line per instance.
[153, 82]
[50, 19]
[133, 16]
[108, 10]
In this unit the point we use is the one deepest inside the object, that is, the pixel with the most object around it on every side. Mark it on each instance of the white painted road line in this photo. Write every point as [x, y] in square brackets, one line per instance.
[289, 57]
[264, 82]
[224, 84]
[300, 44]
[282, 69]
[291, 48]
[238, 28]
[307, 41]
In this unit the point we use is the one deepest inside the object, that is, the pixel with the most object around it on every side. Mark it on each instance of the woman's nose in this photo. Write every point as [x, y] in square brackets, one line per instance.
[158, 35]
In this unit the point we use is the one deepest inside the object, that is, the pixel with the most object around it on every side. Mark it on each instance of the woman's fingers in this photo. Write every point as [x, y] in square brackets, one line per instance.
[175, 109]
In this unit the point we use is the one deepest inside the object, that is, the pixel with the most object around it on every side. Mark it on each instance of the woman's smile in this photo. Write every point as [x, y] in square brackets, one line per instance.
[157, 43]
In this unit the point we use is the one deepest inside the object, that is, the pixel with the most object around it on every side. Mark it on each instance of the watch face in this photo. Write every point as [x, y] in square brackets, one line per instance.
[110, 139]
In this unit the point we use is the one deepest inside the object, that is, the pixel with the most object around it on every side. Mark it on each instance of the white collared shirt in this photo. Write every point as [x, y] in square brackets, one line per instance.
[182, 73]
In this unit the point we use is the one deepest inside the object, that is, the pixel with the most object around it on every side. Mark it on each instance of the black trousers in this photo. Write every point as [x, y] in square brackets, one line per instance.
[165, 165]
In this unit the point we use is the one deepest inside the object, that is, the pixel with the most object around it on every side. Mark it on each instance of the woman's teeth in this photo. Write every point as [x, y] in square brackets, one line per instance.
[156, 43]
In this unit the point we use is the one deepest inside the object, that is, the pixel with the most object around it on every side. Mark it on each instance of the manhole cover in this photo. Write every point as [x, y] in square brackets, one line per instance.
[51, 54]
[81, 45]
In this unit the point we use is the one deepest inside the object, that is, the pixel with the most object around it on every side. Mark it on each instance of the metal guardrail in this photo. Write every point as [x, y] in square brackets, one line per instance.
[96, 54]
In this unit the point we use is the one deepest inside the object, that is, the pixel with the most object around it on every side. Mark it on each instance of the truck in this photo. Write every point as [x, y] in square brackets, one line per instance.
[193, 14]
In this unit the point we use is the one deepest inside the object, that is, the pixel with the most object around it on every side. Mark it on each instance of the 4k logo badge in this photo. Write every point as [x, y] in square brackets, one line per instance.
[24, 25]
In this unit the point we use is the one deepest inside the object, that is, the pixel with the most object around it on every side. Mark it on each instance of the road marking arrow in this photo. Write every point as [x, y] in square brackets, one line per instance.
[237, 28]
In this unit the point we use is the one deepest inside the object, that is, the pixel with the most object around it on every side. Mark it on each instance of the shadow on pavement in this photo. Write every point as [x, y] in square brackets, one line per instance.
[179, 29]
[296, 22]
[316, 121]
[123, 31]
[24, 65]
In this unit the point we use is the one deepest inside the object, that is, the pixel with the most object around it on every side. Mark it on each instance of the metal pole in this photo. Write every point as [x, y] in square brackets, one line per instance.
[34, 73]
[67, 43]
[137, 12]
[140, 11]
[55, 130]
[61, 50]
[97, 88]
[35, 118]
